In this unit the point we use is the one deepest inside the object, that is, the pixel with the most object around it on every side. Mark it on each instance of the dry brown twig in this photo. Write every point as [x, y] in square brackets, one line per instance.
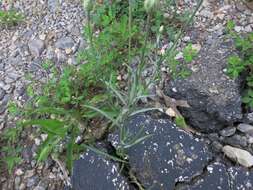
[171, 109]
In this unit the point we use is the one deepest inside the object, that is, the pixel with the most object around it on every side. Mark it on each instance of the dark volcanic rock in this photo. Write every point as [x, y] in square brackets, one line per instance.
[218, 176]
[240, 178]
[94, 172]
[214, 178]
[168, 156]
[214, 98]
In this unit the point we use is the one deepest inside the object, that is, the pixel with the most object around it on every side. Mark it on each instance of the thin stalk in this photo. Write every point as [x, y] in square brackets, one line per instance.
[146, 31]
[90, 32]
[129, 30]
[167, 53]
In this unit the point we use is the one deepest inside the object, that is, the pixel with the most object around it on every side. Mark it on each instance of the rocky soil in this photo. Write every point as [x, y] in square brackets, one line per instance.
[219, 156]
[51, 31]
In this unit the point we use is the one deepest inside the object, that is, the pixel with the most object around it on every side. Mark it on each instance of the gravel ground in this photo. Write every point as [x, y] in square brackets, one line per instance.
[52, 30]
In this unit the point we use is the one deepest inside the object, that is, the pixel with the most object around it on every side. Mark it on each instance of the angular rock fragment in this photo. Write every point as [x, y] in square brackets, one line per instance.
[65, 43]
[236, 140]
[228, 131]
[95, 172]
[2, 93]
[214, 98]
[36, 47]
[168, 156]
[243, 157]
[245, 128]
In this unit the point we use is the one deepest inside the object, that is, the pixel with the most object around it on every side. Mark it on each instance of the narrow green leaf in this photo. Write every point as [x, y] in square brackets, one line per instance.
[11, 161]
[97, 151]
[143, 96]
[46, 148]
[138, 140]
[49, 125]
[101, 112]
[144, 110]
[70, 147]
[117, 93]
[50, 110]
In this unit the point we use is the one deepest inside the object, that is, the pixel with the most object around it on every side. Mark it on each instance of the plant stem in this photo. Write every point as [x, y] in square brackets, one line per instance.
[129, 30]
[167, 53]
[146, 31]
[90, 31]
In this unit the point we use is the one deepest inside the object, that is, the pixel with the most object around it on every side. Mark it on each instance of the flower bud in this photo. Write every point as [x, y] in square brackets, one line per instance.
[149, 5]
[161, 29]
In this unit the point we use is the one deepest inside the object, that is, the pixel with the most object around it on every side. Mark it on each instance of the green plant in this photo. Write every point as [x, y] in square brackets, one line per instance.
[11, 150]
[74, 102]
[11, 157]
[10, 17]
[242, 63]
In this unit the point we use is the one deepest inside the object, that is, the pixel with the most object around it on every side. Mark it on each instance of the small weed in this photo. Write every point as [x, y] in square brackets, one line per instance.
[237, 64]
[75, 101]
[10, 17]
[11, 158]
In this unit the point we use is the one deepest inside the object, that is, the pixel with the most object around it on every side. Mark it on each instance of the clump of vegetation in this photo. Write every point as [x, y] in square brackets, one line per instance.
[10, 17]
[89, 97]
[243, 62]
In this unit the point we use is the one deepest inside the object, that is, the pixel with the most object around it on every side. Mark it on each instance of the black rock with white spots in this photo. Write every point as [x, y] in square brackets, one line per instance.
[219, 177]
[215, 178]
[169, 156]
[95, 172]
[241, 178]
[214, 98]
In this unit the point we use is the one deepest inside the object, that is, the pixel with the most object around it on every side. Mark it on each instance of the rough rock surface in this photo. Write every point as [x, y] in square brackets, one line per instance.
[218, 177]
[243, 157]
[245, 128]
[214, 98]
[96, 172]
[170, 155]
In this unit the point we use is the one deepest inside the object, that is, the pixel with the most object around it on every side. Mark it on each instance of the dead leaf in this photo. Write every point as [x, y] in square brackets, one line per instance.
[170, 112]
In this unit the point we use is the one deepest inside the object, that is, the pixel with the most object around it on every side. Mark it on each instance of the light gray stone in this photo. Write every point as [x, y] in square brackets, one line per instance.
[250, 117]
[241, 156]
[36, 47]
[65, 43]
[245, 128]
[2, 93]
[228, 131]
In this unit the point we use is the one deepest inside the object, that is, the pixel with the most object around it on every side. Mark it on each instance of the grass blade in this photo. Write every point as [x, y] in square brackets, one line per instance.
[100, 152]
[138, 140]
[144, 110]
[117, 93]
[101, 112]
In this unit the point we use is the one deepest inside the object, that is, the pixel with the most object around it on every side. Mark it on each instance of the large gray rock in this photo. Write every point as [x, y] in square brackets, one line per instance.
[170, 155]
[214, 98]
[95, 172]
